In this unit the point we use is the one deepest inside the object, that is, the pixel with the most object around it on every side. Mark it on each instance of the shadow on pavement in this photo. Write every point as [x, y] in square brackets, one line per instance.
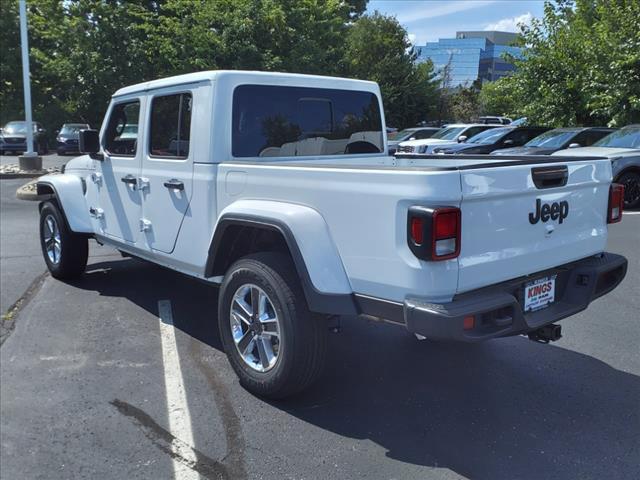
[504, 409]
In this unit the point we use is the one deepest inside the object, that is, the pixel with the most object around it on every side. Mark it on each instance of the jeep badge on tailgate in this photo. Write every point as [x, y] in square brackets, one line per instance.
[556, 211]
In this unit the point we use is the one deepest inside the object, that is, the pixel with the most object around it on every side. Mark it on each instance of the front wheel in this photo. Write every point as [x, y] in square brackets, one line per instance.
[274, 344]
[631, 182]
[65, 252]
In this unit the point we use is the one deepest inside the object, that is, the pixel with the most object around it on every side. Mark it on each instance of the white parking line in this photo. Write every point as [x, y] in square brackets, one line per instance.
[178, 410]
[636, 212]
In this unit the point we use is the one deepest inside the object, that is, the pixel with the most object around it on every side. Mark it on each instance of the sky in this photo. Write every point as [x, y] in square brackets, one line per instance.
[429, 20]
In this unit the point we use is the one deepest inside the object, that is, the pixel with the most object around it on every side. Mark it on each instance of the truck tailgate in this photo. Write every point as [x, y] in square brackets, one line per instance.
[521, 219]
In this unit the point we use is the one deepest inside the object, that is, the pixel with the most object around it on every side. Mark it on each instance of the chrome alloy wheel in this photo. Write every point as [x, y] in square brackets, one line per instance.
[52, 242]
[255, 328]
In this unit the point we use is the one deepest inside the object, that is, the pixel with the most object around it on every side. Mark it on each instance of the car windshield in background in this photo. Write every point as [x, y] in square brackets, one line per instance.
[73, 128]
[489, 136]
[628, 137]
[552, 139]
[401, 135]
[450, 133]
[17, 127]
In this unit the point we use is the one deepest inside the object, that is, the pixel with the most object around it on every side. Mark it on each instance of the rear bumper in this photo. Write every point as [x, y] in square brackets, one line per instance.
[498, 309]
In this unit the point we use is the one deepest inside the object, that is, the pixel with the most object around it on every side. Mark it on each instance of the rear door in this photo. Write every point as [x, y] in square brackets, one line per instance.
[167, 166]
[521, 219]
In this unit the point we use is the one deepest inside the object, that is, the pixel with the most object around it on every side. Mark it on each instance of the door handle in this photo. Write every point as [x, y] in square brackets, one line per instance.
[129, 180]
[174, 184]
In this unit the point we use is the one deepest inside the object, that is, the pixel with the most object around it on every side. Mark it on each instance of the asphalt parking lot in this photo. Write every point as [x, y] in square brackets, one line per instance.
[97, 383]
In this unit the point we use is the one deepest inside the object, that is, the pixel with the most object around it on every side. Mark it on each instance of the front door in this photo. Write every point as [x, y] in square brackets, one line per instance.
[167, 166]
[116, 177]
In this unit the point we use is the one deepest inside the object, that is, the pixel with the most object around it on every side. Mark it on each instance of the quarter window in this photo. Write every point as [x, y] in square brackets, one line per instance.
[170, 126]
[122, 130]
[274, 121]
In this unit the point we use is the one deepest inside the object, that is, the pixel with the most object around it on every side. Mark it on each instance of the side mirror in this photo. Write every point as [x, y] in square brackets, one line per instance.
[574, 145]
[462, 138]
[508, 142]
[56, 132]
[412, 138]
[89, 142]
[41, 130]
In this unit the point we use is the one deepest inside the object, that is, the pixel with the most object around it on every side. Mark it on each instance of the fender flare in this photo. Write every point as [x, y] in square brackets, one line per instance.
[324, 281]
[69, 191]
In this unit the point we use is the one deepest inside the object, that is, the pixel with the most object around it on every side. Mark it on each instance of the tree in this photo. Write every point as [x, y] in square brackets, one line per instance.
[497, 98]
[581, 64]
[377, 48]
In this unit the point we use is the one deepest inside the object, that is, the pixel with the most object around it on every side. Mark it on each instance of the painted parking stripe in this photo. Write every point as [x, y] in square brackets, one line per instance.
[178, 410]
[636, 212]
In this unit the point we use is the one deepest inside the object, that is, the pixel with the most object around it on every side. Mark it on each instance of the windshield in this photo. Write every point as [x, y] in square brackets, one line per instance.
[401, 135]
[489, 136]
[68, 129]
[449, 133]
[552, 139]
[628, 137]
[18, 127]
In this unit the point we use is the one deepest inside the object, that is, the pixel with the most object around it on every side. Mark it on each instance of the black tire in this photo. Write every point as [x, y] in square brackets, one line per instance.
[70, 259]
[302, 335]
[631, 182]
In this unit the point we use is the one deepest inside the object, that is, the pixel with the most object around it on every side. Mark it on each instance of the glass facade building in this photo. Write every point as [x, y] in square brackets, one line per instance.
[471, 56]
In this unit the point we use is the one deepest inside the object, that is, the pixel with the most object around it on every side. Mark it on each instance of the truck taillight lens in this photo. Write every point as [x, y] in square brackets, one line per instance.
[434, 233]
[616, 202]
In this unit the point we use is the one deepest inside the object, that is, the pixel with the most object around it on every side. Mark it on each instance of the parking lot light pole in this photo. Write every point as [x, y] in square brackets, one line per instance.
[28, 161]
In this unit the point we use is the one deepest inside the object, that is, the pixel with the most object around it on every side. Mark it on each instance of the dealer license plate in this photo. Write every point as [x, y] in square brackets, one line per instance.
[539, 294]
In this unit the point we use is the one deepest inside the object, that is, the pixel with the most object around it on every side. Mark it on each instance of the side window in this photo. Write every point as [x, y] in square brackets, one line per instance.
[170, 126]
[588, 138]
[278, 121]
[520, 137]
[474, 131]
[121, 136]
[421, 134]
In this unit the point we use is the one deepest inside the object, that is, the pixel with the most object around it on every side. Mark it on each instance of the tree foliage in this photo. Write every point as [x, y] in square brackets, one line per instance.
[81, 51]
[378, 49]
[581, 66]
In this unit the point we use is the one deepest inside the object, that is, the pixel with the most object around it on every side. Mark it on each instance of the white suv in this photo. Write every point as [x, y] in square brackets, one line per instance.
[446, 137]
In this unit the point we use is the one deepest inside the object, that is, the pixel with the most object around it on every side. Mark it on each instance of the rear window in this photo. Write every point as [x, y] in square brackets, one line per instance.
[275, 121]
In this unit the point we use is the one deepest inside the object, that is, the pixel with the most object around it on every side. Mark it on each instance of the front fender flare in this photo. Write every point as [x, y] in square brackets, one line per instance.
[69, 193]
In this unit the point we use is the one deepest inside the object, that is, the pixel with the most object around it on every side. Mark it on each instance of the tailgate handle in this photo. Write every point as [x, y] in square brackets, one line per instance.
[550, 177]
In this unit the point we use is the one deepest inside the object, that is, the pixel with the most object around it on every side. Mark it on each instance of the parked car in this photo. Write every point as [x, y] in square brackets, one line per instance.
[67, 138]
[492, 140]
[415, 133]
[622, 147]
[13, 138]
[495, 120]
[448, 136]
[559, 139]
[464, 252]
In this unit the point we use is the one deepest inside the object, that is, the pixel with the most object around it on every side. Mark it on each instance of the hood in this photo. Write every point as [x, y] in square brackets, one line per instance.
[461, 147]
[597, 152]
[15, 135]
[424, 141]
[524, 151]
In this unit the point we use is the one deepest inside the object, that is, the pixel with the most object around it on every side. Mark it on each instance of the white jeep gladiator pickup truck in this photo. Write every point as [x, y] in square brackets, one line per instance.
[277, 188]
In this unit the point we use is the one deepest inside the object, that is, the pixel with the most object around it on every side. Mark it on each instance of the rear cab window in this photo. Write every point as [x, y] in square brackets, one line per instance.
[121, 135]
[277, 121]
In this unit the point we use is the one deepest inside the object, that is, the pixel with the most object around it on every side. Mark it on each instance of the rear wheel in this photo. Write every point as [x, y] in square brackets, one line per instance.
[274, 344]
[631, 182]
[65, 252]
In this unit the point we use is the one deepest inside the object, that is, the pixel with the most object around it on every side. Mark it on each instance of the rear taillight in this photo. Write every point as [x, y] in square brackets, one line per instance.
[616, 202]
[434, 233]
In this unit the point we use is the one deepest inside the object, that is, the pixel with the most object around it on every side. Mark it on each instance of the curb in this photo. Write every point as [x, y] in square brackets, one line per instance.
[34, 174]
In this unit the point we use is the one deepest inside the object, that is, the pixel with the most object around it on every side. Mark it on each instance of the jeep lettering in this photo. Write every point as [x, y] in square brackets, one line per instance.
[556, 211]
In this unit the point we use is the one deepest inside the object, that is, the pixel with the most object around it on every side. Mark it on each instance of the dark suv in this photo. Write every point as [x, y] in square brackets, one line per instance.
[13, 138]
[67, 138]
[494, 139]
